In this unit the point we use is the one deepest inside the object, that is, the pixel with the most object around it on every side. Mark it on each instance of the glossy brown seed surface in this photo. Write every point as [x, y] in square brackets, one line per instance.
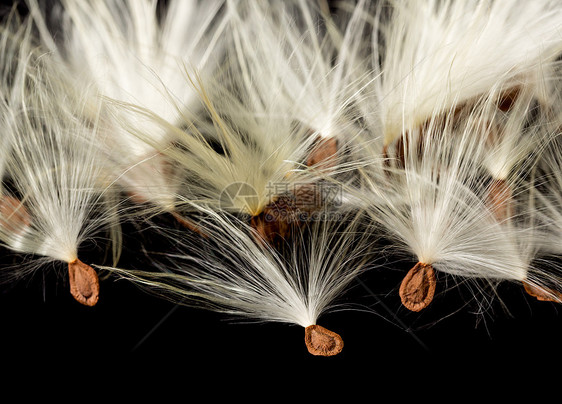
[500, 200]
[324, 153]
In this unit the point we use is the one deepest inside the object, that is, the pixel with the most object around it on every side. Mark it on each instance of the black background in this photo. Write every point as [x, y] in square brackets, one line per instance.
[43, 329]
[42, 325]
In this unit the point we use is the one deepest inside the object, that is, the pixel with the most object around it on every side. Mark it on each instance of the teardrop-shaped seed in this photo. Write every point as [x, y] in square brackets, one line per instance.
[500, 200]
[84, 283]
[418, 287]
[14, 217]
[321, 341]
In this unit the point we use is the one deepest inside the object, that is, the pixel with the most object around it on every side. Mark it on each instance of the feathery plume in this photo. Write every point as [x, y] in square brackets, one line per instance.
[258, 141]
[436, 207]
[55, 192]
[298, 52]
[231, 273]
[135, 53]
[450, 53]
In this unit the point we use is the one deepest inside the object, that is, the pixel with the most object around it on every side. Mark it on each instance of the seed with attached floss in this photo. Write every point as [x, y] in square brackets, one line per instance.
[542, 294]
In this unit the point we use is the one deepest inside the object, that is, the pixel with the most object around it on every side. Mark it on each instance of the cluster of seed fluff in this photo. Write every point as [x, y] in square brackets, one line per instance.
[286, 142]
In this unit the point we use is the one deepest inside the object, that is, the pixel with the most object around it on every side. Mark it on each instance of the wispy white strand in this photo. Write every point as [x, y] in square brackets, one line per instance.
[545, 210]
[257, 150]
[451, 52]
[230, 272]
[437, 206]
[296, 51]
[515, 137]
[15, 46]
[447, 116]
[261, 118]
[135, 57]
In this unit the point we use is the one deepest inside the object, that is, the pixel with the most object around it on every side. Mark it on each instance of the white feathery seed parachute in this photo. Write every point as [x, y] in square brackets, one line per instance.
[445, 53]
[296, 51]
[247, 164]
[436, 209]
[546, 209]
[135, 56]
[231, 273]
[240, 162]
[515, 138]
[455, 84]
[56, 194]
[15, 45]
[251, 157]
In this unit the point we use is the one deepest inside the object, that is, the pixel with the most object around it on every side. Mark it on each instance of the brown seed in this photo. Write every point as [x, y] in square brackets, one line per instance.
[266, 231]
[270, 228]
[14, 217]
[275, 223]
[308, 199]
[322, 342]
[416, 139]
[136, 197]
[409, 141]
[324, 153]
[84, 282]
[398, 150]
[401, 149]
[418, 287]
[544, 295]
[500, 200]
[385, 156]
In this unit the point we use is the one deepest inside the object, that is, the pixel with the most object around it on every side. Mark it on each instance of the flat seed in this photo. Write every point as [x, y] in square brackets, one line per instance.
[84, 283]
[321, 341]
[508, 98]
[544, 295]
[277, 220]
[418, 287]
[500, 200]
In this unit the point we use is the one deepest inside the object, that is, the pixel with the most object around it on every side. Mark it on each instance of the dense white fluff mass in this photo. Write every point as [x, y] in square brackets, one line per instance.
[57, 191]
[135, 56]
[232, 273]
[436, 123]
[450, 52]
